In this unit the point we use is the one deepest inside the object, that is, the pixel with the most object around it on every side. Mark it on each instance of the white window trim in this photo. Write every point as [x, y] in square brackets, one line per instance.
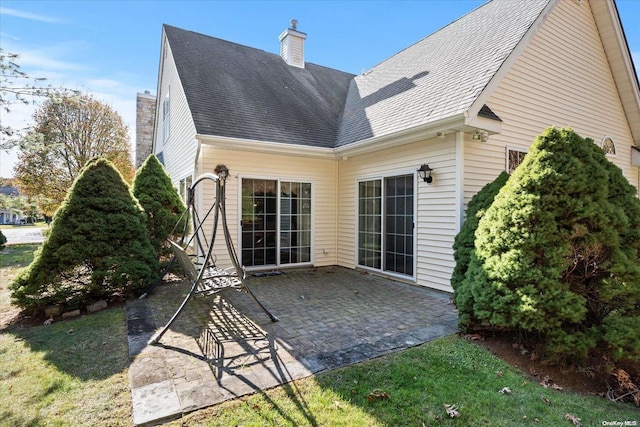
[615, 150]
[511, 148]
[166, 118]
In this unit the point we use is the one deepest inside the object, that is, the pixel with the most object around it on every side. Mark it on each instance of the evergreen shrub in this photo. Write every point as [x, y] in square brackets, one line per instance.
[464, 245]
[161, 202]
[557, 253]
[97, 246]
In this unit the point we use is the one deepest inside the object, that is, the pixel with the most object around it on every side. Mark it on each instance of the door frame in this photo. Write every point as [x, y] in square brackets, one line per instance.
[382, 177]
[278, 218]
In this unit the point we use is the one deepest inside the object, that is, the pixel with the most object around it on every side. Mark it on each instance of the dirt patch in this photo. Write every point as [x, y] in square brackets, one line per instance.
[595, 378]
[581, 380]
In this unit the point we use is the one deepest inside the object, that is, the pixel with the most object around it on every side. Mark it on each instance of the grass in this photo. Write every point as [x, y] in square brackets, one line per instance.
[418, 382]
[71, 373]
[38, 224]
[74, 373]
[66, 374]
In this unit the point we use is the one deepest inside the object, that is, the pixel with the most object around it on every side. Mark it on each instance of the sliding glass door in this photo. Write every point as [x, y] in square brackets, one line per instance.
[386, 224]
[276, 222]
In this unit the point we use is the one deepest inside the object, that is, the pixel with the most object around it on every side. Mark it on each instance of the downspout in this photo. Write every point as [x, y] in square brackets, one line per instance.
[459, 190]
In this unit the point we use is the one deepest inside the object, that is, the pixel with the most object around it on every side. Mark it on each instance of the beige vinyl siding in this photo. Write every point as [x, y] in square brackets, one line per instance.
[181, 146]
[562, 78]
[321, 173]
[435, 215]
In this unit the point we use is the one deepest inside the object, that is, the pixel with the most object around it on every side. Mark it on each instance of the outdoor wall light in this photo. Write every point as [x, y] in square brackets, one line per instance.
[425, 173]
[481, 135]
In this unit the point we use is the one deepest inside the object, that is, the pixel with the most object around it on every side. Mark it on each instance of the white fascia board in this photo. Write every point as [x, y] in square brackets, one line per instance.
[405, 136]
[508, 63]
[490, 125]
[455, 123]
[606, 16]
[227, 143]
[163, 43]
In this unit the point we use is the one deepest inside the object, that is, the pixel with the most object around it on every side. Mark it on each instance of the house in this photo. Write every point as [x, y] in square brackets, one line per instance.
[9, 215]
[326, 167]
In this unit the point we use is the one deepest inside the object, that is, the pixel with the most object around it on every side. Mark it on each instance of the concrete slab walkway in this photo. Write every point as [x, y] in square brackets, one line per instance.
[223, 347]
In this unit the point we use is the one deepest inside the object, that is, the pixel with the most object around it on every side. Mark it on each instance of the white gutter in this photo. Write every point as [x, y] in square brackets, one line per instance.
[458, 123]
[267, 147]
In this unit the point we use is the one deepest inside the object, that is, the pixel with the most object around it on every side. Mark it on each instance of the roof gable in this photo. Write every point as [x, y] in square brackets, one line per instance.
[440, 76]
[240, 92]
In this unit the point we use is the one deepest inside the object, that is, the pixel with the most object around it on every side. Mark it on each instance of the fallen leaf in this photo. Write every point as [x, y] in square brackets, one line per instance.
[377, 394]
[548, 383]
[574, 419]
[48, 321]
[505, 390]
[499, 374]
[452, 411]
[547, 401]
[474, 337]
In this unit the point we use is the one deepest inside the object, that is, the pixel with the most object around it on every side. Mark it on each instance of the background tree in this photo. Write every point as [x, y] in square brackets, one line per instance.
[18, 87]
[69, 131]
[160, 200]
[97, 246]
[557, 252]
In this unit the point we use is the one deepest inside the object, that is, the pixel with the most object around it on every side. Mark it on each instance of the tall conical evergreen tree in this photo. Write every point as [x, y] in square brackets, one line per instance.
[160, 199]
[97, 246]
[557, 251]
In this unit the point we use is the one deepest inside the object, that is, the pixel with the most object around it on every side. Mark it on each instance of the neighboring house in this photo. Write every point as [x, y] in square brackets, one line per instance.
[324, 164]
[9, 216]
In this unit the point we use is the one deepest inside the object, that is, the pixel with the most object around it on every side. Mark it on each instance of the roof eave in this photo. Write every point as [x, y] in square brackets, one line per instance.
[509, 61]
[616, 49]
[405, 136]
[265, 147]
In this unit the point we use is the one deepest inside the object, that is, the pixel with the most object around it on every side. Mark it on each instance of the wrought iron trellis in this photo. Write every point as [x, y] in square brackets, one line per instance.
[205, 276]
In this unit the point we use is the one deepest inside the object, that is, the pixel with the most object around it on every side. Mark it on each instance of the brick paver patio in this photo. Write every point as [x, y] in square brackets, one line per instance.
[223, 347]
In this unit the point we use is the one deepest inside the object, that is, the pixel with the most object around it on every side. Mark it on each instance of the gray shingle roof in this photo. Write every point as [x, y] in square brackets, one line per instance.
[9, 191]
[237, 91]
[242, 92]
[438, 77]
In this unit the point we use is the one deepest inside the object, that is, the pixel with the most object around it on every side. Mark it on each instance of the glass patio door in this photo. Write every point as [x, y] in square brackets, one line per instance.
[385, 224]
[398, 230]
[276, 222]
[259, 222]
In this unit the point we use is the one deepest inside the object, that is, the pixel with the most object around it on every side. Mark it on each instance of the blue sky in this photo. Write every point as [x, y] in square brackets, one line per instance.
[111, 48]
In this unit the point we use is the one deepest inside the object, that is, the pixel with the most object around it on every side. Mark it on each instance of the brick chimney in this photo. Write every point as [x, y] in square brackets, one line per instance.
[145, 116]
[292, 45]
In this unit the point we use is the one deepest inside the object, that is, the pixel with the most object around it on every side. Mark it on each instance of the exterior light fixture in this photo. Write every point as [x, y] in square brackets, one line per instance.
[425, 173]
[481, 135]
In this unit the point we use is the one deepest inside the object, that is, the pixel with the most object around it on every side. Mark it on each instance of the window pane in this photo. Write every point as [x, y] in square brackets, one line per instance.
[295, 216]
[369, 223]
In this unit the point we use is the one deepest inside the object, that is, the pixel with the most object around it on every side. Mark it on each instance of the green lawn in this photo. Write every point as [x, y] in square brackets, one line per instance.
[38, 224]
[75, 373]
